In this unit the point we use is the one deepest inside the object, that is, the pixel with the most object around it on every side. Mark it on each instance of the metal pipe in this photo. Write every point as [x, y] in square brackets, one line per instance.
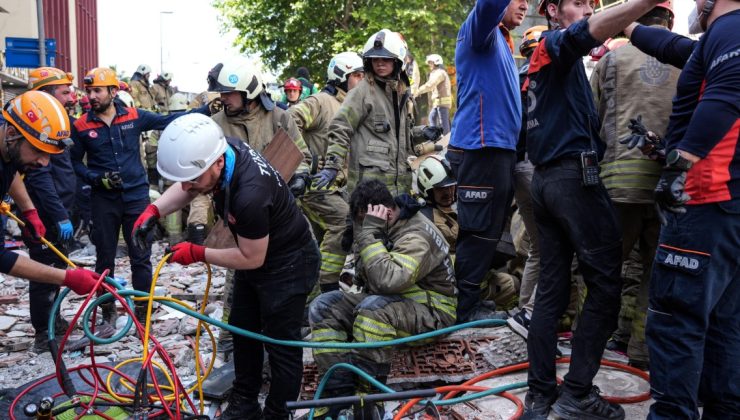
[42, 32]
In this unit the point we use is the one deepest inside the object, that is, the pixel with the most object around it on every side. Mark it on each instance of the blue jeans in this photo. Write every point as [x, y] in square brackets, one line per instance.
[693, 321]
[440, 117]
[573, 218]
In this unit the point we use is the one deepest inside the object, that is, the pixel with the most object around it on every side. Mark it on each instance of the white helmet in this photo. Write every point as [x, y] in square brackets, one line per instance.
[126, 98]
[238, 75]
[166, 76]
[143, 69]
[435, 59]
[434, 172]
[189, 146]
[385, 44]
[178, 102]
[342, 65]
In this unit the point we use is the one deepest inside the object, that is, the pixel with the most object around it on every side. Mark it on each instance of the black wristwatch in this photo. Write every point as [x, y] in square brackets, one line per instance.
[674, 160]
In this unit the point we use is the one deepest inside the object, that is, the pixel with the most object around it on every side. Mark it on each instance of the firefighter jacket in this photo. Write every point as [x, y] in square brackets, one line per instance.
[628, 175]
[373, 126]
[162, 94]
[142, 94]
[410, 258]
[258, 127]
[439, 85]
[445, 219]
[116, 148]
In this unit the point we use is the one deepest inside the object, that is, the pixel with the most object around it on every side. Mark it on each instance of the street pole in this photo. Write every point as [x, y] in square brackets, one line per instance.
[42, 32]
[161, 41]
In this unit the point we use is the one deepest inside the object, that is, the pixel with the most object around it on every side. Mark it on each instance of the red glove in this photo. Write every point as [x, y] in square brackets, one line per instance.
[81, 281]
[187, 253]
[143, 225]
[34, 226]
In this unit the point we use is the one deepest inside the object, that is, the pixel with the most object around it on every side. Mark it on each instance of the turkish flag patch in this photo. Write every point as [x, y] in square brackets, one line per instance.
[93, 134]
[32, 116]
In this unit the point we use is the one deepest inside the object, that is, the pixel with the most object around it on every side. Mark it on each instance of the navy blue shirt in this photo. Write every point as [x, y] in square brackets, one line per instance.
[52, 188]
[7, 174]
[562, 120]
[115, 148]
[706, 109]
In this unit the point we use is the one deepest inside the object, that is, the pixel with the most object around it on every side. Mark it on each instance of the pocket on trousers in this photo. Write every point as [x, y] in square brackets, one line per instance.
[475, 205]
[677, 279]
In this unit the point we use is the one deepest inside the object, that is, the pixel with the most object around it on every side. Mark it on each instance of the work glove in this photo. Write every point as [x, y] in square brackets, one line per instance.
[187, 253]
[81, 281]
[649, 143]
[110, 181]
[64, 230]
[298, 184]
[324, 178]
[432, 133]
[143, 225]
[34, 227]
[670, 194]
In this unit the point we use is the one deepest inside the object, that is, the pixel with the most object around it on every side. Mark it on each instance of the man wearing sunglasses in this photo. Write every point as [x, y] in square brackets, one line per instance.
[109, 135]
[33, 126]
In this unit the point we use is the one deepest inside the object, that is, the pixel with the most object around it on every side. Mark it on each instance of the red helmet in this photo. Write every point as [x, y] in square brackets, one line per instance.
[668, 5]
[292, 84]
[123, 86]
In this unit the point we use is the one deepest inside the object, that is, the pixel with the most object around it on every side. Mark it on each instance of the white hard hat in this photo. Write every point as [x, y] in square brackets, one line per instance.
[238, 75]
[126, 98]
[166, 76]
[342, 65]
[189, 146]
[143, 69]
[385, 44]
[178, 102]
[434, 172]
[435, 59]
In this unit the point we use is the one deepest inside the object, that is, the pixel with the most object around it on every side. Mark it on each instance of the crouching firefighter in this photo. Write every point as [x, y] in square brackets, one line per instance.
[275, 259]
[404, 285]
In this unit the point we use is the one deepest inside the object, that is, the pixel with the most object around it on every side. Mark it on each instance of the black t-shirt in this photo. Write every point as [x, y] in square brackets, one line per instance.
[7, 170]
[260, 203]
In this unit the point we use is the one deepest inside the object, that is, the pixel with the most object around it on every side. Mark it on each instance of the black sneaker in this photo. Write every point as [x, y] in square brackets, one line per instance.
[537, 406]
[484, 313]
[590, 407]
[519, 323]
[616, 346]
[240, 407]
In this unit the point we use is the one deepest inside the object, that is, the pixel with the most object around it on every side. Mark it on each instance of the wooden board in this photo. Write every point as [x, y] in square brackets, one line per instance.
[283, 154]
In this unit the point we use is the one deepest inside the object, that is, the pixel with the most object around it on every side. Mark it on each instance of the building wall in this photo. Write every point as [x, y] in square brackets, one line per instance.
[87, 36]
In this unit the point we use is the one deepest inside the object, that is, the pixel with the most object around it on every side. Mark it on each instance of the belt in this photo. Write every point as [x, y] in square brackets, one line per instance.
[563, 162]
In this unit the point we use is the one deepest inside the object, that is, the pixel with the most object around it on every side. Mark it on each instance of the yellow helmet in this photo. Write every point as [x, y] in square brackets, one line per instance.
[41, 119]
[48, 76]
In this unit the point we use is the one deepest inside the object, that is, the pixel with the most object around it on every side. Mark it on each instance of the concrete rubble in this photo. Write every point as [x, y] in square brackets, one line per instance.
[456, 357]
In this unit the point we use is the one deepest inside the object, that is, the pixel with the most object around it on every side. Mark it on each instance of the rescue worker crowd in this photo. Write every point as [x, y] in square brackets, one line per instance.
[622, 192]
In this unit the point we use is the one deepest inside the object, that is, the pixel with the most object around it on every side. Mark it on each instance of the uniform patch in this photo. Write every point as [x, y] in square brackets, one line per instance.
[689, 261]
[93, 134]
[475, 195]
[32, 116]
[233, 78]
[44, 73]
[653, 72]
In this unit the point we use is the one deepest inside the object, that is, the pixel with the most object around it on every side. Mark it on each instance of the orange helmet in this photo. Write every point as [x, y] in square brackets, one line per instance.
[542, 6]
[48, 76]
[292, 84]
[531, 38]
[41, 119]
[100, 76]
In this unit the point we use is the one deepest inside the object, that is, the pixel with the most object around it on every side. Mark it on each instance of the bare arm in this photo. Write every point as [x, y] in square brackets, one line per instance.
[249, 255]
[610, 22]
[173, 199]
[18, 191]
[28, 269]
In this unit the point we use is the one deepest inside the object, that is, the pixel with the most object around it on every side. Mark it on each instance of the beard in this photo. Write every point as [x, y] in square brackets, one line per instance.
[14, 154]
[99, 106]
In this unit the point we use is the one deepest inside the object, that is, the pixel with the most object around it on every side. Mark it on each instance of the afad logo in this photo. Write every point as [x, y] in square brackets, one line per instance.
[93, 134]
[32, 116]
[62, 133]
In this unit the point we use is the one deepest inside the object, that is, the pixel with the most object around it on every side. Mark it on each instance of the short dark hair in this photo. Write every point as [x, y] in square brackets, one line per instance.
[50, 89]
[303, 72]
[369, 192]
[657, 16]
